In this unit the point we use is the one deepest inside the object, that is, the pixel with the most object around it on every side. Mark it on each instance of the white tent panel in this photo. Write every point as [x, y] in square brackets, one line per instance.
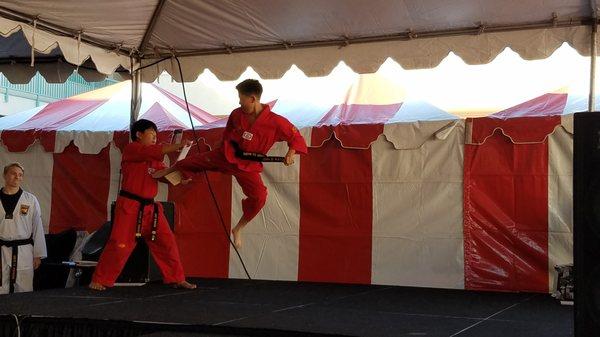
[152, 96]
[38, 166]
[417, 211]
[418, 110]
[115, 177]
[110, 116]
[17, 119]
[560, 200]
[88, 142]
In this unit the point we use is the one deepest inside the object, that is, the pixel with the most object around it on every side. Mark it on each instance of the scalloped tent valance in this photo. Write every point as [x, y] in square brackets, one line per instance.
[519, 130]
[270, 37]
[546, 112]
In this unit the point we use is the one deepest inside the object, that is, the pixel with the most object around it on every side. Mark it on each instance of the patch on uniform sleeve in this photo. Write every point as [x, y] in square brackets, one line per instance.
[24, 209]
[294, 129]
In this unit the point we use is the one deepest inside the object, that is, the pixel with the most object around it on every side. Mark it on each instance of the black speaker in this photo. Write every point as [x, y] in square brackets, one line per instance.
[586, 216]
[140, 266]
[52, 273]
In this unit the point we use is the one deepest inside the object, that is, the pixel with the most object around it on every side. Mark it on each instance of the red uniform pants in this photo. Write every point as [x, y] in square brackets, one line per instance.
[251, 182]
[122, 242]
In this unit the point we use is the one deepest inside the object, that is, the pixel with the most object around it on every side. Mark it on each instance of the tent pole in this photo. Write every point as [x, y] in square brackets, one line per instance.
[592, 98]
[136, 95]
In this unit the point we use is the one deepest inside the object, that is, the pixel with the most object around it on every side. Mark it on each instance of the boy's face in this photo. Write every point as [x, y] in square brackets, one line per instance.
[13, 177]
[247, 103]
[148, 137]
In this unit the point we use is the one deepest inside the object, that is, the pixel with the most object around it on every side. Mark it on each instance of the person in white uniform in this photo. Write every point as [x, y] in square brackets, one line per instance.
[22, 241]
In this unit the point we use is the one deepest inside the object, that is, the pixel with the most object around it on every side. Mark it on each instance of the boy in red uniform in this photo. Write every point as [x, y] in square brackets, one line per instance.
[137, 215]
[254, 128]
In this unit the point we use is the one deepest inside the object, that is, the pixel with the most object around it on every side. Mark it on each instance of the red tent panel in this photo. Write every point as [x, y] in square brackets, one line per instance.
[202, 242]
[350, 136]
[546, 105]
[20, 140]
[517, 129]
[80, 186]
[59, 114]
[506, 215]
[336, 215]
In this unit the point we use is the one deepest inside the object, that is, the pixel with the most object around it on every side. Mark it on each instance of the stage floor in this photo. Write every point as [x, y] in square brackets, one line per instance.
[241, 307]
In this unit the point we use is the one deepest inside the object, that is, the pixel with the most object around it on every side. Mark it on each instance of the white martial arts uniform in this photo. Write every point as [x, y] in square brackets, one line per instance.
[26, 223]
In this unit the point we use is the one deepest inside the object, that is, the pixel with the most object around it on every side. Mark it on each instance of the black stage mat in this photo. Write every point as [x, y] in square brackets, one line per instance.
[268, 308]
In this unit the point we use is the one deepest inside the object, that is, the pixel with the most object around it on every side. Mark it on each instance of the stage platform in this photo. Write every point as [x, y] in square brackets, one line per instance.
[266, 308]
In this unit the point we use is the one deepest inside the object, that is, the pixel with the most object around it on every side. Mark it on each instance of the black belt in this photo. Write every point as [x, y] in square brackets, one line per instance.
[253, 156]
[143, 203]
[14, 244]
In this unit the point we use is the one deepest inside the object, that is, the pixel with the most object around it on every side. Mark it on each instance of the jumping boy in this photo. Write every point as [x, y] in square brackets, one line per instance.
[252, 128]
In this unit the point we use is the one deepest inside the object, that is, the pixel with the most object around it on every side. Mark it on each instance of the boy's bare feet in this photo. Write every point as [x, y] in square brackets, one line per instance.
[183, 285]
[237, 237]
[96, 286]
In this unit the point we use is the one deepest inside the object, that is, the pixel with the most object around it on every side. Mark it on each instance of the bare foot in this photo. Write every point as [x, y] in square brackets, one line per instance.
[96, 286]
[237, 237]
[183, 285]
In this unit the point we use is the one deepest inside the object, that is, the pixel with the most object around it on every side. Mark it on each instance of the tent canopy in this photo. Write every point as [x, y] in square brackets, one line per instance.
[270, 36]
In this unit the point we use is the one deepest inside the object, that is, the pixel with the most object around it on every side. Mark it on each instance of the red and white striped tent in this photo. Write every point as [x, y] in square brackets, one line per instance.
[68, 147]
[400, 193]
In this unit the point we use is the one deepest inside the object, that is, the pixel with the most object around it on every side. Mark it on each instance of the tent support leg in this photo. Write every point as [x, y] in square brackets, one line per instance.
[136, 95]
[593, 47]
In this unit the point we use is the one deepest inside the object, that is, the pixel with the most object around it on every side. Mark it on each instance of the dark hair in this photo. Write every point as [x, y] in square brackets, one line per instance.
[141, 125]
[250, 87]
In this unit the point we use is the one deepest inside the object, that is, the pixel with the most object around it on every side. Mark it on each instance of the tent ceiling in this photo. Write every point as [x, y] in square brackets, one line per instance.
[111, 21]
[285, 29]
[15, 60]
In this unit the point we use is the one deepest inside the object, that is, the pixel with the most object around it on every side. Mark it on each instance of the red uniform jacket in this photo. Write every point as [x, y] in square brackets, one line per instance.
[268, 128]
[137, 164]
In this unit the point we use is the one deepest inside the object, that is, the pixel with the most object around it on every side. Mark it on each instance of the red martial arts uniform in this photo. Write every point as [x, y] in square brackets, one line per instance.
[137, 191]
[267, 129]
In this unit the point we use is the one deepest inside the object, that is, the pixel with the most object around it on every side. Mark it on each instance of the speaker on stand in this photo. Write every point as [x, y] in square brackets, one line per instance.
[586, 216]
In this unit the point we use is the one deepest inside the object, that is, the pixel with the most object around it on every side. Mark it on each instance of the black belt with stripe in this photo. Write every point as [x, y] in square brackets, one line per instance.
[143, 203]
[253, 156]
[14, 244]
